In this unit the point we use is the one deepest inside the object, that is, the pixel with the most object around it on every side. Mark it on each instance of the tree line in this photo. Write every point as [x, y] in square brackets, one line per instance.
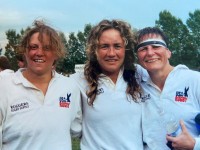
[184, 42]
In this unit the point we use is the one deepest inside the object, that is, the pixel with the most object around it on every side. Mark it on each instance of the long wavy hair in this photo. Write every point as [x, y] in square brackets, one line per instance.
[92, 68]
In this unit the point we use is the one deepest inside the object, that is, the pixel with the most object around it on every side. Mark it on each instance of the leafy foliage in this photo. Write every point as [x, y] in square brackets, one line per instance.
[183, 42]
[76, 51]
[13, 40]
[193, 24]
[184, 51]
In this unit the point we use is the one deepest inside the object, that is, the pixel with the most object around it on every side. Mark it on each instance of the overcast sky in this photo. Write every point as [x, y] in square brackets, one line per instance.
[72, 15]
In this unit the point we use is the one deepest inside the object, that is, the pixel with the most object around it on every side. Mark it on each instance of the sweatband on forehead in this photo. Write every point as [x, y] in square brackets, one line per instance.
[156, 42]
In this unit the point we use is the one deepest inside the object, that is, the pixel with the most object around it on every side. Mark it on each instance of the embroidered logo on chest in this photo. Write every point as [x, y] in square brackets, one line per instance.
[182, 96]
[19, 106]
[65, 101]
[99, 91]
[145, 97]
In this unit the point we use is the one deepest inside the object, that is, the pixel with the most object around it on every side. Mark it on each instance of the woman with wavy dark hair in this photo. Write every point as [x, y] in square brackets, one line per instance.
[110, 92]
[93, 68]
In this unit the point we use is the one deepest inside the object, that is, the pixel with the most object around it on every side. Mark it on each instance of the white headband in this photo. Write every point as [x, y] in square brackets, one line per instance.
[156, 42]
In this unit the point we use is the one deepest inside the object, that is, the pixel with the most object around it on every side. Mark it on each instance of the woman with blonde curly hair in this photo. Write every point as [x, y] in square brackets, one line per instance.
[110, 91]
[38, 105]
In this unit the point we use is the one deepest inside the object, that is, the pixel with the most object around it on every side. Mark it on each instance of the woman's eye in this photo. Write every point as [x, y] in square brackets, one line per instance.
[118, 46]
[103, 46]
[155, 47]
[33, 47]
[46, 48]
[142, 49]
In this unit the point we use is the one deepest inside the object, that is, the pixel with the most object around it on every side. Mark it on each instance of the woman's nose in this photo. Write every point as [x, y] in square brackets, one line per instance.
[40, 50]
[111, 51]
[150, 50]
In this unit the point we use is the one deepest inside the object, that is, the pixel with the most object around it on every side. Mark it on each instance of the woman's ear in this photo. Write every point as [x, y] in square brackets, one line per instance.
[169, 54]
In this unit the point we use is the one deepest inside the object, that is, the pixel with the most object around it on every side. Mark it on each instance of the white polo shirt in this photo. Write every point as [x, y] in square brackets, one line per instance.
[180, 97]
[114, 120]
[31, 121]
[6, 72]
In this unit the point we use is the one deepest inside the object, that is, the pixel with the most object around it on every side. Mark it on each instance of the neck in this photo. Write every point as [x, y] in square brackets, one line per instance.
[112, 76]
[39, 81]
[37, 78]
[159, 77]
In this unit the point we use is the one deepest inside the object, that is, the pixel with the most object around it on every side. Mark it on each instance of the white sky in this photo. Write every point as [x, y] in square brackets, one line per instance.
[72, 15]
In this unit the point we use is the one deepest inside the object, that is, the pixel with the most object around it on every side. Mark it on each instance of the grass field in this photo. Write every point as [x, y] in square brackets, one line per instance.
[75, 144]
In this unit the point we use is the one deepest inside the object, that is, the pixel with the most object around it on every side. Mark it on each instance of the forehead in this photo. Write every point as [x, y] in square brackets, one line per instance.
[150, 36]
[43, 38]
[110, 35]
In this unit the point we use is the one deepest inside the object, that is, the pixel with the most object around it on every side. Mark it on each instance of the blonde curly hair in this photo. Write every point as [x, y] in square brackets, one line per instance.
[41, 28]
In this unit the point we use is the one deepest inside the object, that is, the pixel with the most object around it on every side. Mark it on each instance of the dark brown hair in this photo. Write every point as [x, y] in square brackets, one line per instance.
[92, 68]
[4, 63]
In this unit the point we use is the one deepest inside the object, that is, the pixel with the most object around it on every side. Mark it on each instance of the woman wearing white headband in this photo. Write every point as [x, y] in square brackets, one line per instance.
[168, 90]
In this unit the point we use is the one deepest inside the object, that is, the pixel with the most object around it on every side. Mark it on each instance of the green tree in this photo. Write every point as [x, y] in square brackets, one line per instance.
[193, 23]
[60, 65]
[179, 39]
[11, 48]
[76, 49]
